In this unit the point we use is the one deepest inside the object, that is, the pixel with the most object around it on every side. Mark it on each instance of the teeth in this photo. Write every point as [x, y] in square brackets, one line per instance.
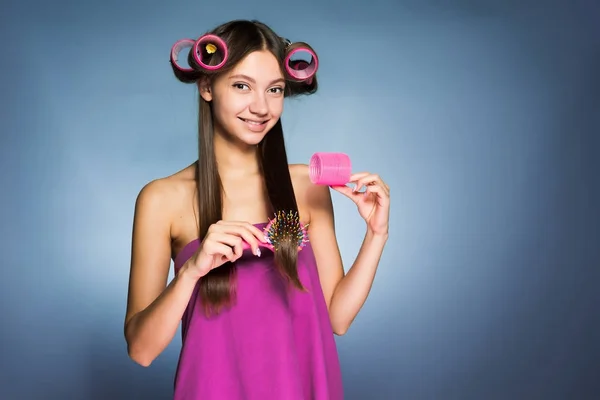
[253, 122]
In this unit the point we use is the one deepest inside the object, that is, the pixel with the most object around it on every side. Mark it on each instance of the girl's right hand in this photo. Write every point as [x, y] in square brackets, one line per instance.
[222, 243]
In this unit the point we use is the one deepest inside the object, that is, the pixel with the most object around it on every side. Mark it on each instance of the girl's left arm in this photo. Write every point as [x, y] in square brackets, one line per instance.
[345, 294]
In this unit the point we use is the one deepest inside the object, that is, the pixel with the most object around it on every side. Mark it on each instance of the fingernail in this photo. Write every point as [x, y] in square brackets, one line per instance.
[258, 252]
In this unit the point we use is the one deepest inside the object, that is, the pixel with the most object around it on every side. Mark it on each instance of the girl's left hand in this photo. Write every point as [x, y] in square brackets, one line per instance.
[373, 204]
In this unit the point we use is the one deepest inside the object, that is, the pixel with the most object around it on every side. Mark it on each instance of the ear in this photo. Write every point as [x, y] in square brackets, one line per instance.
[204, 87]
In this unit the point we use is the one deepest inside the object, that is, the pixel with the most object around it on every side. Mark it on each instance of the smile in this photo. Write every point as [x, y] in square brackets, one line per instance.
[252, 122]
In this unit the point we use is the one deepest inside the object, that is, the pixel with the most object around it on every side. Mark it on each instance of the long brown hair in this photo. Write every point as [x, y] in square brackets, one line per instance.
[217, 288]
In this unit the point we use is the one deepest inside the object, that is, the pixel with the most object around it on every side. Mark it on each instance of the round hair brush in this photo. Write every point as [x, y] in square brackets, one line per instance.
[284, 226]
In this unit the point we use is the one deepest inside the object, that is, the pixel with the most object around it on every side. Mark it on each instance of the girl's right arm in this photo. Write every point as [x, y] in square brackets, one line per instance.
[154, 309]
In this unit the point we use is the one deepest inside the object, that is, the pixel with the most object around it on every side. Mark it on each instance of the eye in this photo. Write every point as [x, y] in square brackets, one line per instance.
[277, 90]
[241, 86]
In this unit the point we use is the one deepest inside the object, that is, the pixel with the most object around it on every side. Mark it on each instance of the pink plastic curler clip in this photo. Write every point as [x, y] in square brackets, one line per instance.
[176, 50]
[332, 169]
[208, 40]
[303, 74]
[284, 225]
[301, 65]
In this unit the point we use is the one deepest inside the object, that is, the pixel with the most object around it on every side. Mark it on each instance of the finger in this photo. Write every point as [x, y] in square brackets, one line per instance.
[378, 183]
[242, 229]
[249, 234]
[241, 226]
[258, 233]
[363, 181]
[366, 176]
[347, 191]
[245, 233]
[238, 251]
[383, 198]
[384, 185]
[219, 249]
[225, 238]
[358, 175]
[232, 241]
[368, 180]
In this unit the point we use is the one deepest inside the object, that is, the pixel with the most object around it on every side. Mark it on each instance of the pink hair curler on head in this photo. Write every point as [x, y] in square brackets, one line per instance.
[176, 50]
[212, 43]
[301, 65]
[332, 169]
[301, 70]
[285, 225]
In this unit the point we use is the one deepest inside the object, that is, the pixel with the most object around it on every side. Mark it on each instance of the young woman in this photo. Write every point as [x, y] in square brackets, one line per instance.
[256, 324]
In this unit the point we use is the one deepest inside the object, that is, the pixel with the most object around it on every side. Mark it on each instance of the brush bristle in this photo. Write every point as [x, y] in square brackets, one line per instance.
[286, 225]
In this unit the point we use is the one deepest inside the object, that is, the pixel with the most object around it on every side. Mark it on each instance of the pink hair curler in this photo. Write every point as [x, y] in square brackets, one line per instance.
[176, 50]
[210, 40]
[332, 169]
[284, 225]
[301, 65]
[308, 70]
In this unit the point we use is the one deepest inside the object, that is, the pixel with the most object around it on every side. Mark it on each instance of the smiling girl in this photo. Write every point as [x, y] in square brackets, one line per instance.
[256, 324]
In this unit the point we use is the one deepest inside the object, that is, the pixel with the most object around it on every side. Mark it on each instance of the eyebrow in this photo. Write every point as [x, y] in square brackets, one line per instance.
[246, 77]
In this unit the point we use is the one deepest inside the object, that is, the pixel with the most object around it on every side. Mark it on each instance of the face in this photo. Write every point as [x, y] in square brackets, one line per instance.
[248, 100]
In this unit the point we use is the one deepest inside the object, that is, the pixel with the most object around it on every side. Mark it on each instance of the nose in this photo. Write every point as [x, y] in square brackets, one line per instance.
[259, 105]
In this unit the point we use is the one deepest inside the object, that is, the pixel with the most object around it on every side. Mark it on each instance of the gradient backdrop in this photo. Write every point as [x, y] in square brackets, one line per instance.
[483, 117]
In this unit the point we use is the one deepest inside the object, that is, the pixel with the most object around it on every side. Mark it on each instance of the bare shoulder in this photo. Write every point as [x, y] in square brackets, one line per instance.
[156, 207]
[300, 176]
[160, 207]
[165, 196]
[314, 199]
[155, 195]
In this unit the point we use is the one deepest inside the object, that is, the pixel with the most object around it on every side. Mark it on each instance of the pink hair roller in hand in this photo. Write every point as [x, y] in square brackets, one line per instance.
[301, 70]
[332, 169]
[211, 44]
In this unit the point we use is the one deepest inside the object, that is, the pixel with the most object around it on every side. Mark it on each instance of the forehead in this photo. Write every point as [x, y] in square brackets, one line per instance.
[260, 65]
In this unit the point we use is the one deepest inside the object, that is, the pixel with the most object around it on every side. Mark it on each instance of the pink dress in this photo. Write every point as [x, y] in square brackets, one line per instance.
[274, 344]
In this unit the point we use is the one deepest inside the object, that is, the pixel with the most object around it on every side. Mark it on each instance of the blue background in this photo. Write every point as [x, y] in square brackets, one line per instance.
[483, 117]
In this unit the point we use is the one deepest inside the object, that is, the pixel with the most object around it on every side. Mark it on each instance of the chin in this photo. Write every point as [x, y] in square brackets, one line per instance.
[251, 140]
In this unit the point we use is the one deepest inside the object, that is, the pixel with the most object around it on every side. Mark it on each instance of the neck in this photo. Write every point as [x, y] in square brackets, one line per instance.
[235, 159]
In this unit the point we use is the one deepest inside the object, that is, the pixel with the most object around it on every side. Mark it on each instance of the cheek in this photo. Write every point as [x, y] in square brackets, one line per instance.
[225, 108]
[276, 106]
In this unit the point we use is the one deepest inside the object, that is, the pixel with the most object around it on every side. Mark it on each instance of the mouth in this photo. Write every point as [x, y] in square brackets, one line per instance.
[254, 122]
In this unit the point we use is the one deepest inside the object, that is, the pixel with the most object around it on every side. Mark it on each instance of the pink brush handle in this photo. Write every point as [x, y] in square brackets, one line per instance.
[246, 246]
[333, 169]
